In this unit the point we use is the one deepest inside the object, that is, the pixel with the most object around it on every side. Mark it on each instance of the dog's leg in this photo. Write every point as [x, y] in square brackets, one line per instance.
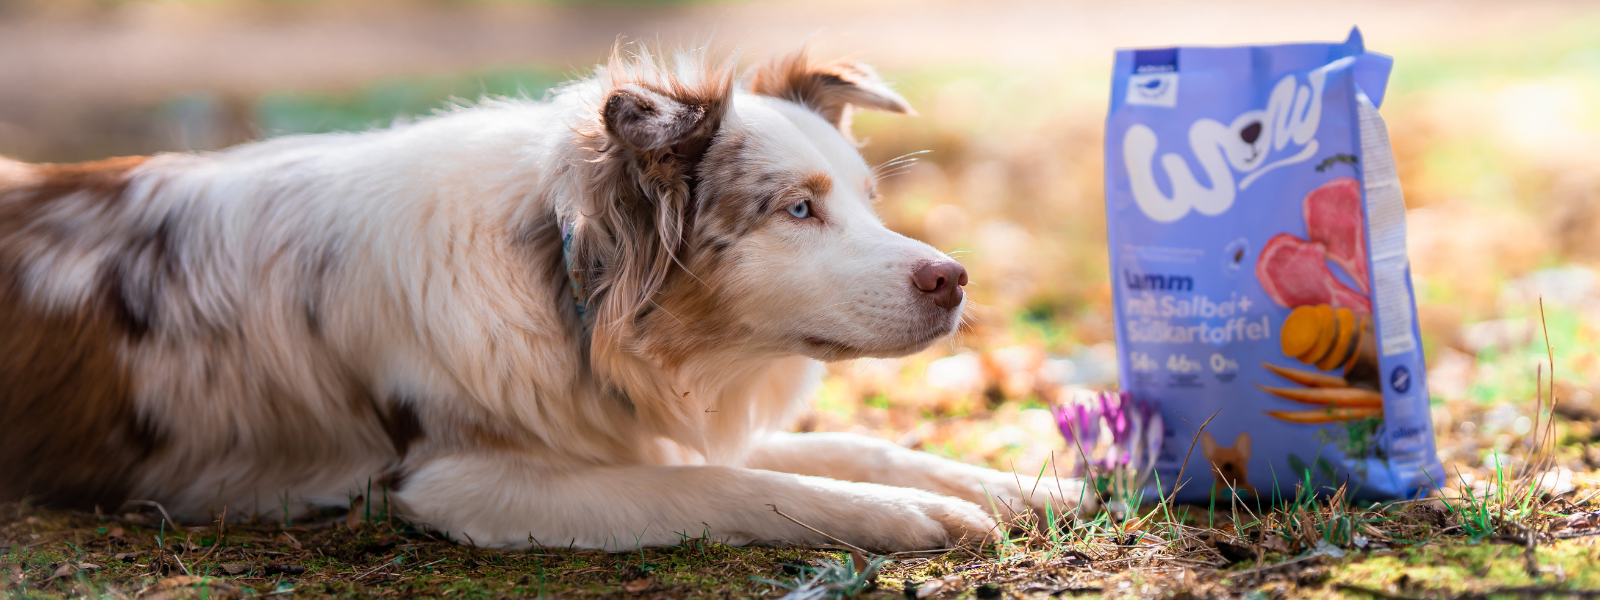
[505, 501]
[859, 458]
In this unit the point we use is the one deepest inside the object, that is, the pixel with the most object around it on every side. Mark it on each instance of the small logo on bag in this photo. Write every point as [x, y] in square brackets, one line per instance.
[1155, 89]
[1400, 379]
[1155, 78]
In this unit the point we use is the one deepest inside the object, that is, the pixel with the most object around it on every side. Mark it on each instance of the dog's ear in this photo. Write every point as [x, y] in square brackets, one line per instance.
[630, 225]
[644, 120]
[1241, 444]
[1208, 444]
[830, 88]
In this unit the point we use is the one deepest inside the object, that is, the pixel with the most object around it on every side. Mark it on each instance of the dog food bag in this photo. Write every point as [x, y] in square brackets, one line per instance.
[1258, 251]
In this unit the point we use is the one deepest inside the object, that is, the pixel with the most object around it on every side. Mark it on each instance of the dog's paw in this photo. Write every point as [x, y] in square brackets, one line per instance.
[903, 519]
[964, 523]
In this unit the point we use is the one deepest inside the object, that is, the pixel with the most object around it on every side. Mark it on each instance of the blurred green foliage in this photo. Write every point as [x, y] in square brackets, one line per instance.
[378, 104]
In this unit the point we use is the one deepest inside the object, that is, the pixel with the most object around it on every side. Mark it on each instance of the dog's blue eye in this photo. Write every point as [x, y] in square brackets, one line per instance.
[801, 209]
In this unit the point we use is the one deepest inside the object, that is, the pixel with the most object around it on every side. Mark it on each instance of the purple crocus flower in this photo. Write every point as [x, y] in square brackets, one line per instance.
[1155, 433]
[1115, 406]
[1081, 422]
[1135, 428]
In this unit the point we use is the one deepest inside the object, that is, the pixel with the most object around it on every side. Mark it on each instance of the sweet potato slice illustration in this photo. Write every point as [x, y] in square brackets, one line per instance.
[1343, 343]
[1299, 332]
[1327, 328]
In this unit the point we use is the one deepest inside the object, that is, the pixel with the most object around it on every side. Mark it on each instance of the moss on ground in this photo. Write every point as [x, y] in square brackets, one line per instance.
[59, 554]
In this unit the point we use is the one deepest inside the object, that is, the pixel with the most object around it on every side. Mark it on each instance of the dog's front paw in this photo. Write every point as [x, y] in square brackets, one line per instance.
[902, 519]
[964, 523]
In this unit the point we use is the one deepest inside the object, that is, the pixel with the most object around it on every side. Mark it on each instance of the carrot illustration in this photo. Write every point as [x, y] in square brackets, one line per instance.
[1308, 378]
[1326, 415]
[1345, 397]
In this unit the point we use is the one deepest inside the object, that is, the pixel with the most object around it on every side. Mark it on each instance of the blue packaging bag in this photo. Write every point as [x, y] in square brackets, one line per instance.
[1257, 243]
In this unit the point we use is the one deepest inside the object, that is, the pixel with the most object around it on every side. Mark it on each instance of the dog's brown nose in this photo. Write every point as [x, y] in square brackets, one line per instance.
[942, 281]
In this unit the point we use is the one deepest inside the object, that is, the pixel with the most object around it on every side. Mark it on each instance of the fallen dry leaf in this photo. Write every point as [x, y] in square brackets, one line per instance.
[236, 568]
[65, 570]
[1275, 544]
[638, 585]
[352, 521]
[177, 587]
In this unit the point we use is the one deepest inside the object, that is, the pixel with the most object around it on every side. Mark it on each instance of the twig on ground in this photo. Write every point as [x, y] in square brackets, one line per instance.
[1350, 587]
[1178, 483]
[818, 531]
[158, 506]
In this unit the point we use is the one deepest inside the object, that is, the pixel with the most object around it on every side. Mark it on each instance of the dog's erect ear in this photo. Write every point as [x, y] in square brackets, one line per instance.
[1208, 444]
[645, 120]
[828, 88]
[1241, 444]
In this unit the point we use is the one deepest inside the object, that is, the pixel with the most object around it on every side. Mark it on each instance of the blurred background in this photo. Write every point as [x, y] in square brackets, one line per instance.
[1494, 111]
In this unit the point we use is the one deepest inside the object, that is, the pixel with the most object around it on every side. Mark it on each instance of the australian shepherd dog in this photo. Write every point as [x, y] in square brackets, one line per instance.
[582, 321]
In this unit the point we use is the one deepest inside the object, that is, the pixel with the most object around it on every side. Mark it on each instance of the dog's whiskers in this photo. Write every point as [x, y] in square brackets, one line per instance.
[903, 161]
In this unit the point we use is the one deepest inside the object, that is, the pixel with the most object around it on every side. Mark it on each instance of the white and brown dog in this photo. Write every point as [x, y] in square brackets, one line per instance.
[276, 326]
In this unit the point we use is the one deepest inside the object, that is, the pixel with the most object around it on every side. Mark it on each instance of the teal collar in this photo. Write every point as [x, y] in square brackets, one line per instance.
[574, 276]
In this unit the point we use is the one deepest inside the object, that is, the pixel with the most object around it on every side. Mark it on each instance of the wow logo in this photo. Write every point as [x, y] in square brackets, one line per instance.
[1286, 129]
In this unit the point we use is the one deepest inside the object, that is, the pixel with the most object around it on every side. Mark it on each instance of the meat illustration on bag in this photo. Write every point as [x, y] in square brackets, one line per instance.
[1294, 272]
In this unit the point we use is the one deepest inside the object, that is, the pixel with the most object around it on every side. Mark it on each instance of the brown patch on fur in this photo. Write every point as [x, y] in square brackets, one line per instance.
[691, 318]
[735, 199]
[818, 184]
[829, 88]
[736, 196]
[402, 425]
[653, 130]
[104, 178]
[72, 434]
